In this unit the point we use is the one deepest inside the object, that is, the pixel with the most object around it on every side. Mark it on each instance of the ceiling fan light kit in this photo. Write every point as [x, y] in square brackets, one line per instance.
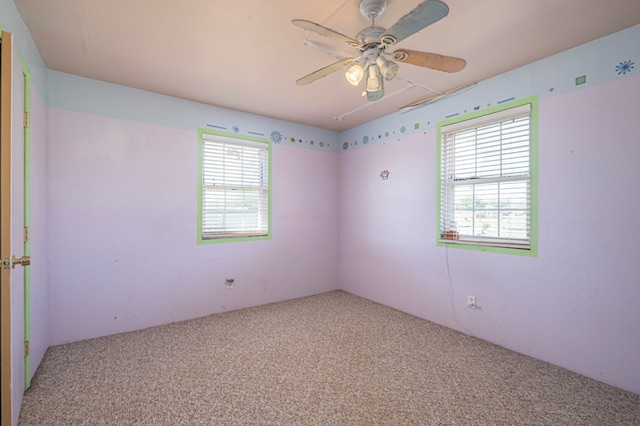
[373, 41]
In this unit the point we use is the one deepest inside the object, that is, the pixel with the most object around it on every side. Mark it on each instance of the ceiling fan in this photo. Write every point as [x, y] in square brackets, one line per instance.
[372, 65]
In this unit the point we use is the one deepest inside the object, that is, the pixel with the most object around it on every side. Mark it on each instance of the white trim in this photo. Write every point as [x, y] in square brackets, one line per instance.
[506, 114]
[212, 137]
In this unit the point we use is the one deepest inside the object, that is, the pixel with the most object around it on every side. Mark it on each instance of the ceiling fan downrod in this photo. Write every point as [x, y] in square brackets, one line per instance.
[372, 10]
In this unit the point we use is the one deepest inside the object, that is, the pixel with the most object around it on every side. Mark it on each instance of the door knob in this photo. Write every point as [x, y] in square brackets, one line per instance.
[23, 261]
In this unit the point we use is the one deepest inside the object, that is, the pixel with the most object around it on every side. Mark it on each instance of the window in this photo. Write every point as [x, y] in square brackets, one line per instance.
[234, 187]
[487, 185]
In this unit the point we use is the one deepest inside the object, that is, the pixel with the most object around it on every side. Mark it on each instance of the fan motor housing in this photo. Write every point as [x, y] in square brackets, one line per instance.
[370, 35]
[371, 54]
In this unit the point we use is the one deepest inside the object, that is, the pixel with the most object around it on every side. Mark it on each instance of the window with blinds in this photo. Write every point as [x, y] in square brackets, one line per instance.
[485, 179]
[235, 187]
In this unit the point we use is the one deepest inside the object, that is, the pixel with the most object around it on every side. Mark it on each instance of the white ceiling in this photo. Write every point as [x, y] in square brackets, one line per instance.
[246, 55]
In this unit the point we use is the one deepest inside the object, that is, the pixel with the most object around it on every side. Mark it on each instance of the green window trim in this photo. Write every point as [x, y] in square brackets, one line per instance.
[241, 140]
[532, 250]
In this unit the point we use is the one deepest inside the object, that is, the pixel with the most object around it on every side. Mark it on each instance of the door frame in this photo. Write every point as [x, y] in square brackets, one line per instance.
[6, 85]
[27, 221]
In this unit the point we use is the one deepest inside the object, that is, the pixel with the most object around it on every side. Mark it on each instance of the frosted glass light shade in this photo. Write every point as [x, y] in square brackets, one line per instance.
[374, 78]
[389, 69]
[375, 83]
[354, 75]
[392, 70]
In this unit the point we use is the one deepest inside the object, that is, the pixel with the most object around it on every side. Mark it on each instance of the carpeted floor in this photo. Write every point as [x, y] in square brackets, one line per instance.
[331, 359]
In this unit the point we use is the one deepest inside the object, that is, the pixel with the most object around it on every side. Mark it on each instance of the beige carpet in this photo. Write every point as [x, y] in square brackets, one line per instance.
[331, 359]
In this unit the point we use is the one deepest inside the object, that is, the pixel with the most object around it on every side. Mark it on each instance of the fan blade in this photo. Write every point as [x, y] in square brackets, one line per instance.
[324, 48]
[324, 31]
[430, 60]
[323, 72]
[425, 14]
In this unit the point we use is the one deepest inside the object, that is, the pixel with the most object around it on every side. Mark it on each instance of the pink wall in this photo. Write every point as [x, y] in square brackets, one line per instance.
[576, 304]
[123, 252]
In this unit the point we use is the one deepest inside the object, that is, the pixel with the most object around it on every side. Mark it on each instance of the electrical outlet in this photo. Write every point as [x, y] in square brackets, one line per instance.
[471, 301]
[229, 282]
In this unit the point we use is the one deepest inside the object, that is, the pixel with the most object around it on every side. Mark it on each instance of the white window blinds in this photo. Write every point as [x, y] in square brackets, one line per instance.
[486, 180]
[235, 187]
